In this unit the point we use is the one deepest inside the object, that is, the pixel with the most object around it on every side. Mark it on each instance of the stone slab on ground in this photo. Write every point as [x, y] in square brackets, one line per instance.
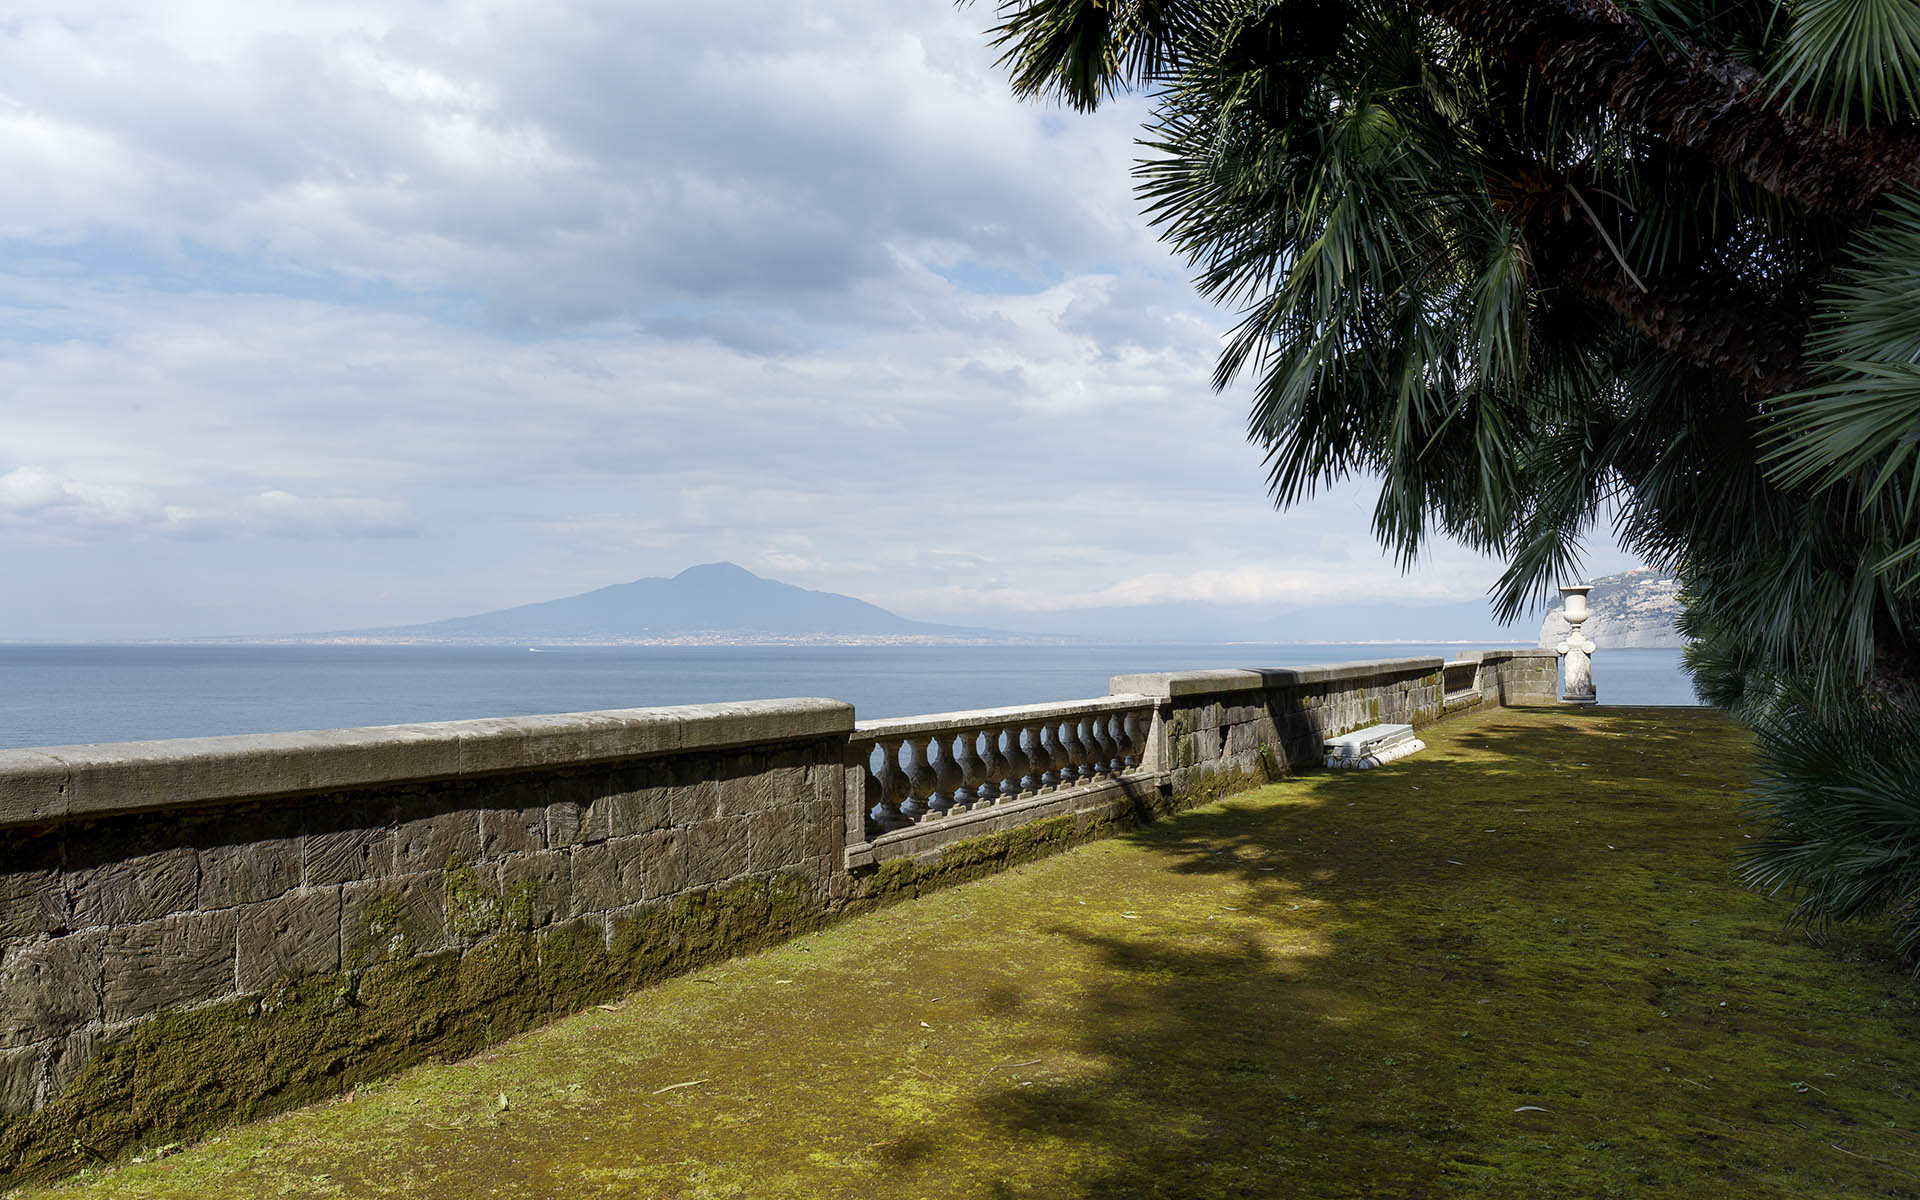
[1372, 747]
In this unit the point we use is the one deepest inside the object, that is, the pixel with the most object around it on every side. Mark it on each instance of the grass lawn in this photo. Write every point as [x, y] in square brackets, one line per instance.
[1517, 964]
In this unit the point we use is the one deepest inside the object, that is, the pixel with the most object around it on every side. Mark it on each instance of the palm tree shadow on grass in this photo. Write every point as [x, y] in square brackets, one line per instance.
[1439, 976]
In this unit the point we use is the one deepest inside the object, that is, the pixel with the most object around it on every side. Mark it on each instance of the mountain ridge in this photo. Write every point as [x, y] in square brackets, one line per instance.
[711, 603]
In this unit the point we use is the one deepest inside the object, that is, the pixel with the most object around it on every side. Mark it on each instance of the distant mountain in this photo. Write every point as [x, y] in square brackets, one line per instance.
[1629, 611]
[715, 602]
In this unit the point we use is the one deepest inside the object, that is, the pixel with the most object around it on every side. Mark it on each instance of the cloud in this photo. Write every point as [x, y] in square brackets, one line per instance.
[439, 307]
[1309, 584]
[547, 166]
[35, 500]
[33, 494]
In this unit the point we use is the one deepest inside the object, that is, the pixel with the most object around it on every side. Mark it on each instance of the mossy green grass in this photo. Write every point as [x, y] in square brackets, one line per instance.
[1517, 964]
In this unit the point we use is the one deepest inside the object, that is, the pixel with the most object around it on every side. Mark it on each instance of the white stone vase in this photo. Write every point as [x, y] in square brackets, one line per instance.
[1577, 650]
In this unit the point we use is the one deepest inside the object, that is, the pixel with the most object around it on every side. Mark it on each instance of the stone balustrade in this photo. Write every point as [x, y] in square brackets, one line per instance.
[1460, 676]
[923, 769]
[196, 929]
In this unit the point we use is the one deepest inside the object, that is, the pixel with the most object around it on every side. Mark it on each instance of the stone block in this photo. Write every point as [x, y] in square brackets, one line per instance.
[694, 800]
[20, 1073]
[244, 871]
[69, 1056]
[762, 790]
[640, 810]
[348, 841]
[510, 743]
[1241, 738]
[828, 781]
[33, 900]
[537, 889]
[776, 838]
[49, 988]
[125, 886]
[429, 841]
[854, 804]
[156, 965]
[508, 831]
[34, 787]
[715, 850]
[605, 876]
[570, 823]
[824, 829]
[288, 938]
[662, 855]
[392, 918]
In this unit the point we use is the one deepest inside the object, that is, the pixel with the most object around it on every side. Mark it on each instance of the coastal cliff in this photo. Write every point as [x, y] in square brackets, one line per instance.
[1634, 610]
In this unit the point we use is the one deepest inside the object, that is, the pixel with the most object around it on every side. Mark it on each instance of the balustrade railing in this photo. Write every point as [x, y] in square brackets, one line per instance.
[921, 769]
[1461, 675]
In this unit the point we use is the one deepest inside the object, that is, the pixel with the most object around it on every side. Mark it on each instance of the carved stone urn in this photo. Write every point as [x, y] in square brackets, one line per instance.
[1577, 650]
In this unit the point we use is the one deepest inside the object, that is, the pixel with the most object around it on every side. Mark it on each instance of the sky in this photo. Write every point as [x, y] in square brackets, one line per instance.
[332, 316]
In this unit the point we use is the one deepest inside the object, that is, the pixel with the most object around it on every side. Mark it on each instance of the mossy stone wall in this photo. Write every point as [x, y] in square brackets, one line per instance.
[170, 969]
[162, 971]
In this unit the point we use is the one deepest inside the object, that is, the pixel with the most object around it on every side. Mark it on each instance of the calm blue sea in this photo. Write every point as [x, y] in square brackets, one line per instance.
[63, 695]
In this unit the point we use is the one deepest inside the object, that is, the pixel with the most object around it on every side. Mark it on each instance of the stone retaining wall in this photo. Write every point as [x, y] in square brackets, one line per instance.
[208, 929]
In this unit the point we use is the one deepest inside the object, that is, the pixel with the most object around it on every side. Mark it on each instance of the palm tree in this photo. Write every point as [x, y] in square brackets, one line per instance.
[1536, 263]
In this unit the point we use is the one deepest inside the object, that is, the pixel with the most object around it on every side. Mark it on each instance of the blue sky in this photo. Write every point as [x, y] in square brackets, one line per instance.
[329, 316]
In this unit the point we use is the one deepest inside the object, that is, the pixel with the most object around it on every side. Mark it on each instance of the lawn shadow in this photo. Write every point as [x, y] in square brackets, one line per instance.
[1456, 973]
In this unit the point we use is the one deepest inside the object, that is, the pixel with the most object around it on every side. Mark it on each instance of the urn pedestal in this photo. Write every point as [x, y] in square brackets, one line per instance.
[1576, 652]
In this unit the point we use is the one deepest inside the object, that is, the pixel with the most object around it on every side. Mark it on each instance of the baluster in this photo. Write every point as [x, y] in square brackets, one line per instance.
[1103, 746]
[953, 772]
[946, 776]
[1077, 754]
[1019, 765]
[1117, 733]
[921, 783]
[993, 768]
[886, 787]
[1048, 757]
[978, 790]
[1135, 739]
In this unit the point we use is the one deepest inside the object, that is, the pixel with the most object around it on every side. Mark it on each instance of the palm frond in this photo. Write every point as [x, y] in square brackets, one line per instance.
[1851, 61]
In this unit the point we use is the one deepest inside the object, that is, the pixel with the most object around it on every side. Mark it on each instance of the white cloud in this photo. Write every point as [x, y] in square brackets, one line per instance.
[1310, 584]
[569, 293]
[558, 164]
[35, 501]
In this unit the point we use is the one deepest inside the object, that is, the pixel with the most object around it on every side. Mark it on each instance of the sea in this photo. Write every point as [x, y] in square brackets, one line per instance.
[53, 695]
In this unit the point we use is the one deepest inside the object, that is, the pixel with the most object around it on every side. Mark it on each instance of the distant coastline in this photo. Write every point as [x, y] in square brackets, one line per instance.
[717, 638]
[749, 640]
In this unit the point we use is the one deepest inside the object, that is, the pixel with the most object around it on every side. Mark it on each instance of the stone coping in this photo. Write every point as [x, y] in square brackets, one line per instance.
[58, 782]
[981, 718]
[1174, 684]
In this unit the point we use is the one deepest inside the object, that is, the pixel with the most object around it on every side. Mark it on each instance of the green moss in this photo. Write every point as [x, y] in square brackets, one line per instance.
[183, 1073]
[473, 909]
[383, 931]
[1273, 767]
[517, 907]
